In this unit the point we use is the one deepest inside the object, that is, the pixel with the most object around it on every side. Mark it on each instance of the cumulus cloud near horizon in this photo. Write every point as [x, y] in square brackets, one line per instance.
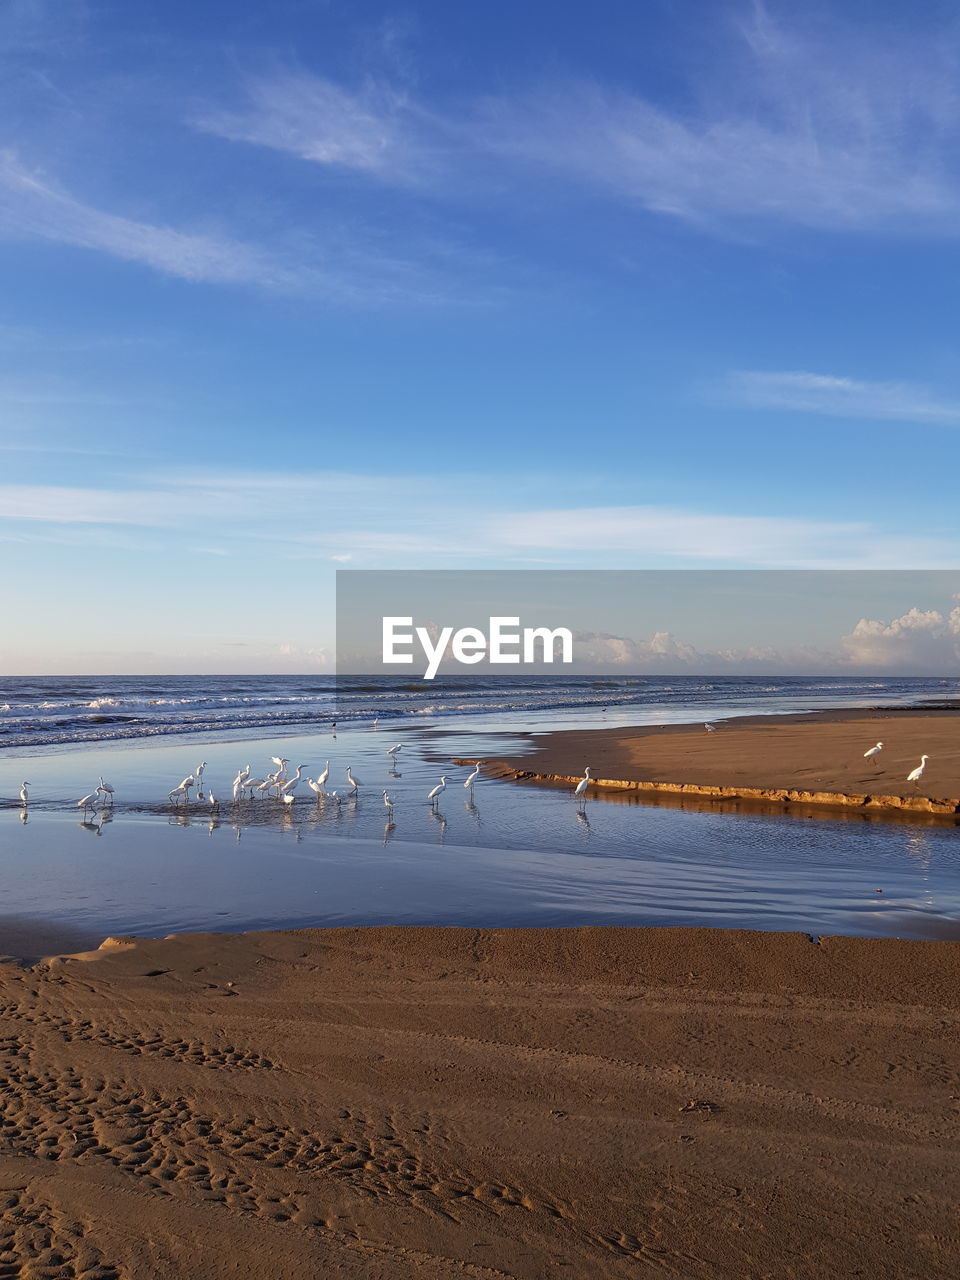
[918, 642]
[924, 639]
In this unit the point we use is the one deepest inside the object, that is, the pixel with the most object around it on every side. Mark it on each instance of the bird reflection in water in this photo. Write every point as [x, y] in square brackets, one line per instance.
[437, 816]
[96, 824]
[918, 849]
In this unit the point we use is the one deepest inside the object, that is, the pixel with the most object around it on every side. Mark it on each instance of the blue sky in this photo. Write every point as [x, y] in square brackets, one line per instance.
[291, 287]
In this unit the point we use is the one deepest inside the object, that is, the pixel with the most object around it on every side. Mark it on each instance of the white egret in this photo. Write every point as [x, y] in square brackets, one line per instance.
[473, 777]
[213, 802]
[106, 788]
[280, 762]
[710, 728]
[388, 803]
[88, 802]
[288, 797]
[916, 774]
[187, 782]
[392, 751]
[24, 798]
[179, 792]
[322, 777]
[873, 752]
[434, 795]
[315, 787]
[355, 783]
[291, 786]
[252, 785]
[580, 789]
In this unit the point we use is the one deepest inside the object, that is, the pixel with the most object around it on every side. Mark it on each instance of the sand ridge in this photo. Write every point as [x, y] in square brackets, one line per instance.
[809, 760]
[449, 1102]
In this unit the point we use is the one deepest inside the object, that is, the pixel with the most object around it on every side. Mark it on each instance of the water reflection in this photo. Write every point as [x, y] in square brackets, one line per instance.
[525, 853]
[437, 816]
[917, 844]
[471, 808]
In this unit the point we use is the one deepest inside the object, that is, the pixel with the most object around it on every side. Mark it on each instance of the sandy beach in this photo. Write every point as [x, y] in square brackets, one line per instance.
[815, 759]
[446, 1102]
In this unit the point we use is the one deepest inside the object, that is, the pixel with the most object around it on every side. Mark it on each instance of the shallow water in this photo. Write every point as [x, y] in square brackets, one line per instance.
[504, 854]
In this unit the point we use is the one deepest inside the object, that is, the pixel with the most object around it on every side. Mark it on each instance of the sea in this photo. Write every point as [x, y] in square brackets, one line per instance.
[496, 854]
[59, 710]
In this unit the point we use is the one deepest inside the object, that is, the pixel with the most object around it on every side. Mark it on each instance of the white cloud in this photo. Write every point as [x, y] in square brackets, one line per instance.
[345, 268]
[918, 641]
[839, 397]
[830, 126]
[34, 208]
[662, 651]
[347, 518]
[650, 531]
[841, 128]
[317, 120]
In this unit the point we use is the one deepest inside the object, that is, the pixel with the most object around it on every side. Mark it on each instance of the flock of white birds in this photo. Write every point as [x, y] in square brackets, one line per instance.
[280, 786]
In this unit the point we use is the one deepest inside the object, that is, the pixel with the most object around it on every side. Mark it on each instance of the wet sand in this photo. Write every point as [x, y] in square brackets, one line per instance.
[810, 759]
[446, 1102]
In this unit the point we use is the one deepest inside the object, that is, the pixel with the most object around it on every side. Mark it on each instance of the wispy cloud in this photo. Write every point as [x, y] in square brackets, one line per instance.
[312, 117]
[338, 266]
[34, 208]
[824, 126]
[838, 397]
[650, 532]
[361, 523]
[845, 129]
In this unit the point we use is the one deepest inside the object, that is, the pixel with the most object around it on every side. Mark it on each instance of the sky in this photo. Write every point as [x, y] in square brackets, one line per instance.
[342, 284]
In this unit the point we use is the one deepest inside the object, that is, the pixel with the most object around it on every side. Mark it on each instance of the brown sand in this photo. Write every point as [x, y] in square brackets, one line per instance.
[446, 1103]
[811, 759]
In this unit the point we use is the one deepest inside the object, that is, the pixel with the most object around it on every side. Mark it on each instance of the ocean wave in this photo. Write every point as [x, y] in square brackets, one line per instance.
[56, 711]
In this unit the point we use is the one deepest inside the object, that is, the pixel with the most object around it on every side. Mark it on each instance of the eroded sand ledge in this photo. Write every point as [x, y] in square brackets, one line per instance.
[804, 761]
[445, 1102]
